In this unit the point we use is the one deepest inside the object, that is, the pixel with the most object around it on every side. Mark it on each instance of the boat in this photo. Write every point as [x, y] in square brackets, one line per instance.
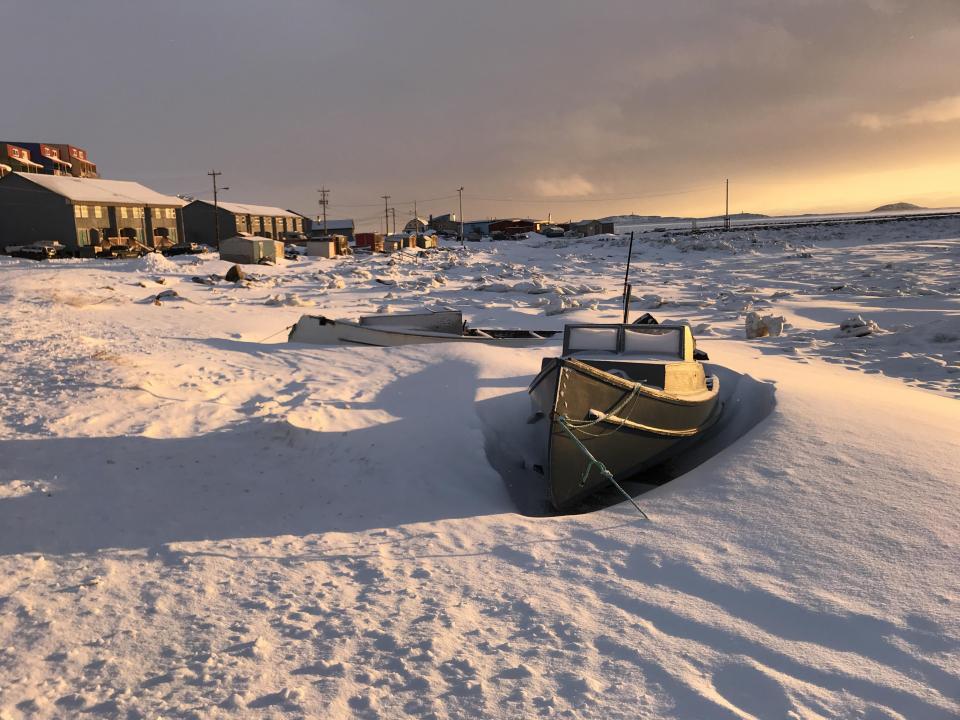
[620, 399]
[394, 329]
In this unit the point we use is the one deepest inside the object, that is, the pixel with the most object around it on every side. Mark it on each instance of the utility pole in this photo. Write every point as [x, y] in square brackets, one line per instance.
[462, 238]
[323, 204]
[386, 214]
[416, 220]
[393, 214]
[726, 217]
[216, 208]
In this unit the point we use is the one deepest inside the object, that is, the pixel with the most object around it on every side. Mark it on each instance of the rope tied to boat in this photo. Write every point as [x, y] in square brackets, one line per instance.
[592, 462]
[624, 401]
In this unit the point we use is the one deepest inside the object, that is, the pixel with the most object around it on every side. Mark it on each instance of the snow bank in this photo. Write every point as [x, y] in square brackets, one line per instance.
[199, 519]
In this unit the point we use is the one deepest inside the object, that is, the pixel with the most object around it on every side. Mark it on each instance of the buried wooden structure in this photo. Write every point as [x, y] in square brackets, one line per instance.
[389, 330]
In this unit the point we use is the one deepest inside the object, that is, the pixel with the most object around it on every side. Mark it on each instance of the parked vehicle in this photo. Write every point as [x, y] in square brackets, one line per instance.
[185, 249]
[42, 250]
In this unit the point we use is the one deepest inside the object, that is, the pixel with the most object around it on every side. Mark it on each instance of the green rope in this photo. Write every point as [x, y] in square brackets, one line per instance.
[593, 462]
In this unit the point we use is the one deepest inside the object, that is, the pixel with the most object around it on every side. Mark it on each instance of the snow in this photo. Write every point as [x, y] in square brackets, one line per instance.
[198, 519]
[248, 209]
[98, 190]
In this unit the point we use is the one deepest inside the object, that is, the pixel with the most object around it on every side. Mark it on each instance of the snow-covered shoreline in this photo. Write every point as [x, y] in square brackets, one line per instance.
[194, 523]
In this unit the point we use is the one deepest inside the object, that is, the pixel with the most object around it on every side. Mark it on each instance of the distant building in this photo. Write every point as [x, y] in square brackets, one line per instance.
[591, 227]
[476, 229]
[56, 159]
[16, 158]
[80, 164]
[199, 219]
[85, 213]
[445, 224]
[416, 225]
[314, 228]
[514, 226]
[49, 156]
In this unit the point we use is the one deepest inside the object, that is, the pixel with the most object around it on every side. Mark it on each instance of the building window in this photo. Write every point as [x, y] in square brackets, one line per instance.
[171, 214]
[76, 211]
[97, 211]
[156, 213]
[84, 211]
[123, 213]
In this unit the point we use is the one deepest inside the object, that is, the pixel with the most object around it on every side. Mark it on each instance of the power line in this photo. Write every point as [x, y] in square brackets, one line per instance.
[323, 204]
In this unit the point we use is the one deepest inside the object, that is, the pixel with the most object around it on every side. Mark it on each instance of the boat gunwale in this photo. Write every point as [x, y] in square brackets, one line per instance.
[696, 398]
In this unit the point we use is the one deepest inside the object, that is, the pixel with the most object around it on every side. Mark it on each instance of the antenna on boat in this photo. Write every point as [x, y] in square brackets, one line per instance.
[626, 283]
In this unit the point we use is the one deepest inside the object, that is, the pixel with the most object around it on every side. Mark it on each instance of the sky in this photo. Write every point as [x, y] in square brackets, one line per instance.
[544, 108]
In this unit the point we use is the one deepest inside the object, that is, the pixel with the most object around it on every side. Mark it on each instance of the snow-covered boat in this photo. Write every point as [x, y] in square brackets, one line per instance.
[388, 330]
[621, 398]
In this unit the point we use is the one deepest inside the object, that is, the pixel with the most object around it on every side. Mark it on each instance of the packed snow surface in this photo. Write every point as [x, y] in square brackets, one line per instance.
[198, 519]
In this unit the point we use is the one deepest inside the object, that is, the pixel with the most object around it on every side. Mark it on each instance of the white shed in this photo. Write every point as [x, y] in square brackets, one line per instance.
[250, 249]
[322, 248]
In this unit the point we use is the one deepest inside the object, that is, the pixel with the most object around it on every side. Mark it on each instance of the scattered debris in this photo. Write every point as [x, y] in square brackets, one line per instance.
[291, 300]
[647, 302]
[235, 274]
[857, 327]
[758, 326]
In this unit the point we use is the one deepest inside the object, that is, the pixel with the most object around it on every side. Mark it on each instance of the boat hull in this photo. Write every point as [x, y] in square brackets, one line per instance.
[625, 428]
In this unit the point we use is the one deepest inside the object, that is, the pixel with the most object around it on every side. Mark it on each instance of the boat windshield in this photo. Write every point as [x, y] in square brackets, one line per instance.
[642, 340]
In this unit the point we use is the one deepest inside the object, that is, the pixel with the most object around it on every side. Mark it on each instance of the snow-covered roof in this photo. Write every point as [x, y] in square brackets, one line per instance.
[245, 209]
[112, 192]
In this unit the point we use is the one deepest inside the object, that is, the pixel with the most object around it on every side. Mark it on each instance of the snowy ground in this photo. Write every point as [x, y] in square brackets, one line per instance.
[200, 520]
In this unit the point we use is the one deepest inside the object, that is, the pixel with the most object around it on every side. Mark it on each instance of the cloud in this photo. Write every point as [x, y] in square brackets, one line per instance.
[937, 111]
[570, 186]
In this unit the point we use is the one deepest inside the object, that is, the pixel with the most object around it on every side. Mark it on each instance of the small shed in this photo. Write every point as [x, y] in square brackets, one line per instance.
[393, 243]
[323, 247]
[250, 249]
[371, 240]
[329, 246]
[426, 241]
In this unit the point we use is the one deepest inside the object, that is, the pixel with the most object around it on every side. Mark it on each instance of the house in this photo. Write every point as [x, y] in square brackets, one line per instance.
[445, 224]
[52, 159]
[514, 226]
[315, 228]
[586, 228]
[477, 228]
[80, 164]
[85, 214]
[201, 220]
[16, 158]
[416, 225]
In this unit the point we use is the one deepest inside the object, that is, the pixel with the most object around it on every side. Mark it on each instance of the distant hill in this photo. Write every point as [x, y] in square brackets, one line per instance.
[894, 207]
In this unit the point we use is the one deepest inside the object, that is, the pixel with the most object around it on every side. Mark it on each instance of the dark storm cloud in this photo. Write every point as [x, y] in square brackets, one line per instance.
[513, 99]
